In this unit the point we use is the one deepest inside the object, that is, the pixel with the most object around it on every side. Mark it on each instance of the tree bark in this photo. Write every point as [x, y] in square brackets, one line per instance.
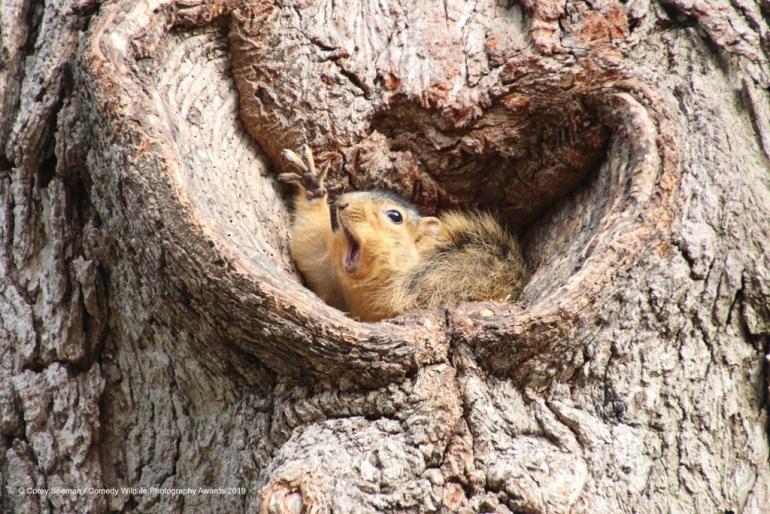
[156, 336]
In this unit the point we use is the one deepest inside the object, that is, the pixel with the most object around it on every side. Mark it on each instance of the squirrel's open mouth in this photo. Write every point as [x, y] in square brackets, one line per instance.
[354, 251]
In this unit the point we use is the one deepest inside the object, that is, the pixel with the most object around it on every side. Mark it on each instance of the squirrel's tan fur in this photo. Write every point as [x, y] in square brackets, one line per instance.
[385, 259]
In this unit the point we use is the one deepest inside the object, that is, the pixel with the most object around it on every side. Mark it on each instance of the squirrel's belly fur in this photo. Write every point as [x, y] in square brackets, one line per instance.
[386, 259]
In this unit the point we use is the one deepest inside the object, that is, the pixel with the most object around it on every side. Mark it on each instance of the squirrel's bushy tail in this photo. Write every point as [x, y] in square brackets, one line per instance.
[476, 260]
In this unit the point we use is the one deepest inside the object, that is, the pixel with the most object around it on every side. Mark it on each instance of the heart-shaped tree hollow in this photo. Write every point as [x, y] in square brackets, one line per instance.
[575, 156]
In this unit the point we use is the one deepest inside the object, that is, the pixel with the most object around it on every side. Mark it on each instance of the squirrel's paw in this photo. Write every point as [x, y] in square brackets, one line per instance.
[308, 179]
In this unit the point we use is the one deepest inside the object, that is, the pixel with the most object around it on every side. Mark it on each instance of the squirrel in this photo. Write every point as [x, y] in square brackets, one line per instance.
[384, 258]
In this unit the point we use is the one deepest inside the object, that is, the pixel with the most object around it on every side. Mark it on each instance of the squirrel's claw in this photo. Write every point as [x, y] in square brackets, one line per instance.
[307, 178]
[307, 153]
[290, 178]
[294, 160]
[324, 171]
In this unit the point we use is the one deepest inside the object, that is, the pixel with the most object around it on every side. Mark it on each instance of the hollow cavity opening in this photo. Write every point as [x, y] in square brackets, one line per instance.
[532, 160]
[533, 164]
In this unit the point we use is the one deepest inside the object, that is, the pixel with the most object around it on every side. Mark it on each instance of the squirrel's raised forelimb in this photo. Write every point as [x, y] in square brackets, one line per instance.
[311, 230]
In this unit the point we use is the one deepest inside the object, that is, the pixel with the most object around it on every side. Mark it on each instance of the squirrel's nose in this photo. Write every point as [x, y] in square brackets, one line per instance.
[341, 204]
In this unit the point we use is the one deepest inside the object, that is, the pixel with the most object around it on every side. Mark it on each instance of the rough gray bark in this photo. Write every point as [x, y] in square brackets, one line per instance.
[154, 332]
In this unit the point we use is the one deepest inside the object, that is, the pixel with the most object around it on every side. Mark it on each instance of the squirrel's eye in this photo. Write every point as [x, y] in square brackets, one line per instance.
[395, 216]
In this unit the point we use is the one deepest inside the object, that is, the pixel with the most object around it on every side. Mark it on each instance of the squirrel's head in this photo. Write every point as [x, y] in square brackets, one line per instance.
[379, 233]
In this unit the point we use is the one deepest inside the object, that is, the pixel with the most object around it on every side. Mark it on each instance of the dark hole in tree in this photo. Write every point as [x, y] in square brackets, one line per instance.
[518, 163]
[523, 158]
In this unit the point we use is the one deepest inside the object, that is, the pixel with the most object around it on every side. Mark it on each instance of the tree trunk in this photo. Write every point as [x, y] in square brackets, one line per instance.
[156, 337]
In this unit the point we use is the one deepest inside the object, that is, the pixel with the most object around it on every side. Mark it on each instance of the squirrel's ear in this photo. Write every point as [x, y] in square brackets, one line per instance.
[429, 226]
